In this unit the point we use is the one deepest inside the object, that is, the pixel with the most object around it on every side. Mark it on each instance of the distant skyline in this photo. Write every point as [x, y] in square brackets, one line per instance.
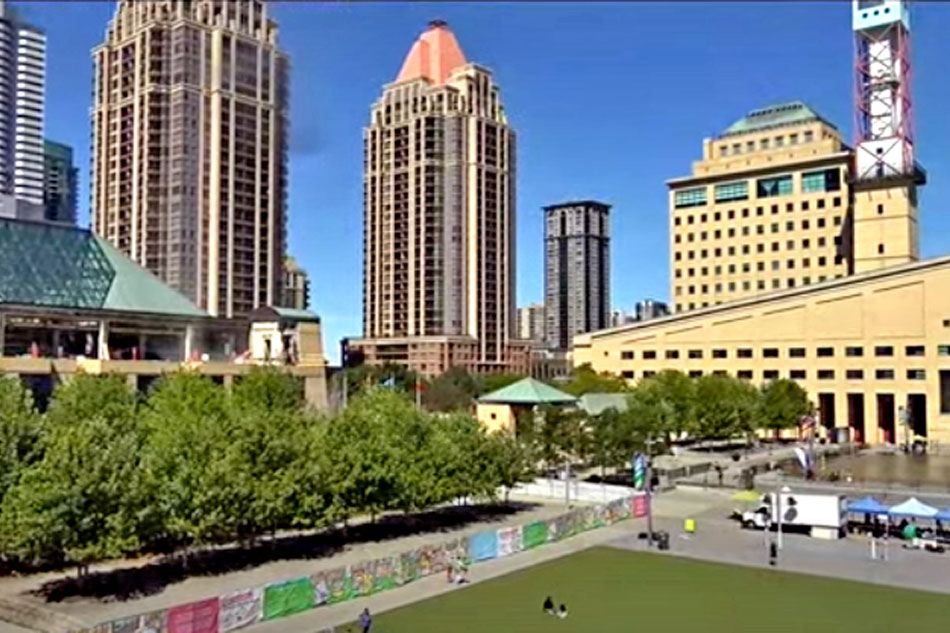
[609, 101]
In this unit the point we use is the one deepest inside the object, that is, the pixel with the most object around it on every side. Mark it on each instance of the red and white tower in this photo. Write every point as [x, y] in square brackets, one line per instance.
[886, 172]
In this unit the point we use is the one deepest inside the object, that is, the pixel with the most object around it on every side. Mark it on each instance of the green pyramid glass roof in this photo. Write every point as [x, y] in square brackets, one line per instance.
[528, 391]
[772, 116]
[61, 266]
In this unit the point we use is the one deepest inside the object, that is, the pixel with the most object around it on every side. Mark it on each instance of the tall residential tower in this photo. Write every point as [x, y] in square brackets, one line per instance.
[439, 217]
[576, 270]
[61, 183]
[189, 147]
[22, 108]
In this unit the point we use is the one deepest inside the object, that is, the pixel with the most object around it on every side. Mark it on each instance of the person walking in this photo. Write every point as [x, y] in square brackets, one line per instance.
[773, 553]
[366, 620]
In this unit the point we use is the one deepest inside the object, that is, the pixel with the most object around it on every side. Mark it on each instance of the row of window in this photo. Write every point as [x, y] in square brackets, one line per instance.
[766, 143]
[851, 351]
[805, 205]
[759, 230]
[784, 185]
[733, 286]
[746, 267]
[731, 251]
[794, 374]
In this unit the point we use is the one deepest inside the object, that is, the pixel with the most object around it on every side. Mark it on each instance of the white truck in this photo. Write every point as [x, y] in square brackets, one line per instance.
[822, 516]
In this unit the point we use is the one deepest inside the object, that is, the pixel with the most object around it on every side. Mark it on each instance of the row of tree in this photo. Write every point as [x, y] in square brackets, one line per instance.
[105, 472]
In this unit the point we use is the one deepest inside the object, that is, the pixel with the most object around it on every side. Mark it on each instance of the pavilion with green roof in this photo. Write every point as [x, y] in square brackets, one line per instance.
[499, 410]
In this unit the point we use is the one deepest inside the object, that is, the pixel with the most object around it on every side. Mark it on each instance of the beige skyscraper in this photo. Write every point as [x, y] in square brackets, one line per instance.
[439, 218]
[189, 157]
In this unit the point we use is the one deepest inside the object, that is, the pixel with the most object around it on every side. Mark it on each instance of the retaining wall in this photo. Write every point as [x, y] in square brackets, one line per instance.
[284, 598]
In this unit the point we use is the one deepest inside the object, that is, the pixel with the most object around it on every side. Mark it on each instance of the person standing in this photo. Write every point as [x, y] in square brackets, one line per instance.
[366, 620]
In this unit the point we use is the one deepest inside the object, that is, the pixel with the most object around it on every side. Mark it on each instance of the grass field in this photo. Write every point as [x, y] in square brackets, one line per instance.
[608, 590]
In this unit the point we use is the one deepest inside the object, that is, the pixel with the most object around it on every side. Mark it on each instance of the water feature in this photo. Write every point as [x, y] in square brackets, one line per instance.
[914, 471]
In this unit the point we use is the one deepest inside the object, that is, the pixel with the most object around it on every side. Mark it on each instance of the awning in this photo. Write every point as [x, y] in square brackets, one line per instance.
[913, 508]
[868, 505]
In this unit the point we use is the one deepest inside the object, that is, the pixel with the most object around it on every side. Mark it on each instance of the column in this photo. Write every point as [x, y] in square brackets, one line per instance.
[189, 341]
[103, 340]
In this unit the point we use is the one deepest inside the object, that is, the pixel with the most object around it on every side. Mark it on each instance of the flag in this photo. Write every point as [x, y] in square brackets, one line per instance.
[639, 468]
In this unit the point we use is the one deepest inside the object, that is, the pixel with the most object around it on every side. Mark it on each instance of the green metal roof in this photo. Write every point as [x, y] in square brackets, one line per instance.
[61, 266]
[528, 391]
[295, 314]
[597, 403]
[772, 116]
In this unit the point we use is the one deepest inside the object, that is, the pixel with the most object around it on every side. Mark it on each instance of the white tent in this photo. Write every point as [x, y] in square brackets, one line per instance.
[913, 508]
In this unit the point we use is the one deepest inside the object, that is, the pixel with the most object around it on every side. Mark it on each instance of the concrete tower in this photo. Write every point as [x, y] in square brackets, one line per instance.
[189, 157]
[439, 217]
[886, 174]
[22, 107]
[576, 270]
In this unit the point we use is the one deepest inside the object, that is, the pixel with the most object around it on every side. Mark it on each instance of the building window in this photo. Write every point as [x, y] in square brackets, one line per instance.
[732, 215]
[806, 262]
[744, 374]
[789, 226]
[883, 350]
[916, 374]
[745, 213]
[884, 374]
[770, 374]
[672, 354]
[825, 352]
[880, 249]
[945, 391]
[719, 353]
[914, 350]
[793, 139]
[836, 202]
[808, 136]
[775, 227]
[854, 374]
[695, 353]
[744, 353]
[731, 191]
[821, 223]
[649, 354]
[818, 181]
[796, 352]
[797, 374]
[854, 352]
[805, 206]
[695, 197]
[627, 374]
[759, 211]
[695, 373]
[789, 207]
[626, 354]
[943, 350]
[826, 374]
[770, 352]
[769, 187]
[649, 374]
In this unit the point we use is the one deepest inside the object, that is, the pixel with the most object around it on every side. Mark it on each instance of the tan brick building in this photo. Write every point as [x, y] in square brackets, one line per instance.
[439, 218]
[189, 156]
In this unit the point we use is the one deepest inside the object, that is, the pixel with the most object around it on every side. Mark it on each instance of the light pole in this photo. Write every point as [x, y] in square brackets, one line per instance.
[648, 476]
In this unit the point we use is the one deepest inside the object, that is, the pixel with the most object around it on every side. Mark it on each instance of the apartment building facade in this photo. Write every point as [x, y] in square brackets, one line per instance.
[439, 217]
[189, 155]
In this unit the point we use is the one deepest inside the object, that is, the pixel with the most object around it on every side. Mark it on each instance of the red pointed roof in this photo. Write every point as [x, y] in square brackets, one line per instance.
[434, 55]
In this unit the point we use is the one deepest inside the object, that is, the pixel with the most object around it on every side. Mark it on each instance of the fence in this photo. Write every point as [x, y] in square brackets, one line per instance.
[280, 599]
[579, 490]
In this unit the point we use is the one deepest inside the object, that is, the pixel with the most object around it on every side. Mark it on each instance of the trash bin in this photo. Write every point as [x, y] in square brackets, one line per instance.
[663, 541]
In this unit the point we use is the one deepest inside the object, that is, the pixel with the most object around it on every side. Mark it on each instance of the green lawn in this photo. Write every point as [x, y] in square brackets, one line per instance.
[609, 590]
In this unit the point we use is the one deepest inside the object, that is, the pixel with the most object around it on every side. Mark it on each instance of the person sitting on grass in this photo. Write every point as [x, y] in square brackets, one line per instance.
[562, 612]
[548, 606]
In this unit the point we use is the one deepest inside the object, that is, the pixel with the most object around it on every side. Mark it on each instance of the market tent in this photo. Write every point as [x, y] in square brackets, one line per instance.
[868, 505]
[943, 515]
[913, 508]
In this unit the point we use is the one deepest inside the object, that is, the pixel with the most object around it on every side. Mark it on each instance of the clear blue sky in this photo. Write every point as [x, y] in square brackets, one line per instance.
[608, 100]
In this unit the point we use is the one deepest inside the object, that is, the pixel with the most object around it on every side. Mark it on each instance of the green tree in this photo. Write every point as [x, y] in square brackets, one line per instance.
[586, 380]
[191, 453]
[451, 391]
[615, 435]
[19, 431]
[510, 461]
[670, 402]
[782, 405]
[268, 389]
[89, 496]
[726, 407]
[366, 455]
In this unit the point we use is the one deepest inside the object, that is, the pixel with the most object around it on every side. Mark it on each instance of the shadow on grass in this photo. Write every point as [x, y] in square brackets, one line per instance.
[137, 582]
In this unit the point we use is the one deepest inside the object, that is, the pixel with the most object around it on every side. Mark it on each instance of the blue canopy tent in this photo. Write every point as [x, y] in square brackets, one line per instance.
[943, 515]
[914, 509]
[868, 505]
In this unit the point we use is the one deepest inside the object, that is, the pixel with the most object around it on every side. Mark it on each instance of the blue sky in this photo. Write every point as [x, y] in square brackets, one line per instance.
[609, 100]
